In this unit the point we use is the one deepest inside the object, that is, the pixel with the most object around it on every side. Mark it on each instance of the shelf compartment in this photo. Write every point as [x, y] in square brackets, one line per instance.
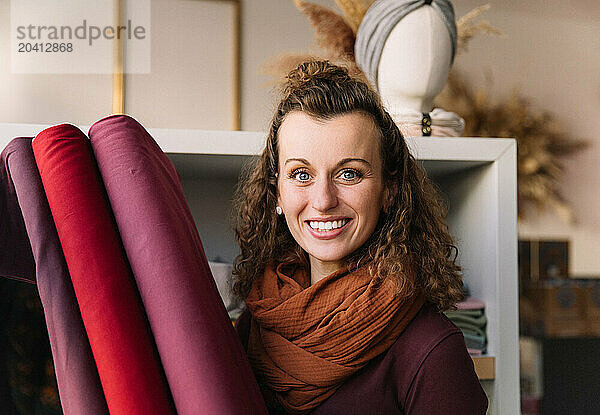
[485, 367]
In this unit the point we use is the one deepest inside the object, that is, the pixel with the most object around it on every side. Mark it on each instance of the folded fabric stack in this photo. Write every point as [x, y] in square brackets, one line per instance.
[135, 319]
[471, 320]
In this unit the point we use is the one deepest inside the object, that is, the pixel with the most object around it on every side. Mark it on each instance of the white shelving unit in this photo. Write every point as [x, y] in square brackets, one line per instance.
[477, 175]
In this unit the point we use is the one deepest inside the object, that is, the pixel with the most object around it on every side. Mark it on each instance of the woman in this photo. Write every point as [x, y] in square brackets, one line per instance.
[346, 262]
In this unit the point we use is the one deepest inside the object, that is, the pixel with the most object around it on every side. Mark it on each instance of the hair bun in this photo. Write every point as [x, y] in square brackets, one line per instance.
[309, 71]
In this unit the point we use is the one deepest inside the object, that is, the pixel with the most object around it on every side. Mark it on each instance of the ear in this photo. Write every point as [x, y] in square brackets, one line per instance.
[277, 195]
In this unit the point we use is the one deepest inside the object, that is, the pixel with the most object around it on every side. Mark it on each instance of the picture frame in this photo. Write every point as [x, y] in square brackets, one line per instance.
[191, 102]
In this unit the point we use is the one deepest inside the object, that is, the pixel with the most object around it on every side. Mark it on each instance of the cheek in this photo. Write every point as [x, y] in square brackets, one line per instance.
[291, 199]
[366, 201]
[370, 210]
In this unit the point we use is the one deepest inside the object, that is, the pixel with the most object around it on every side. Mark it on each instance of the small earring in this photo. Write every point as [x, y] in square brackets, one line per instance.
[279, 210]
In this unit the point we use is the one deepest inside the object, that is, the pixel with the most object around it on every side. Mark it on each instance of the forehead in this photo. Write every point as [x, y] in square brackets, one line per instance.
[348, 135]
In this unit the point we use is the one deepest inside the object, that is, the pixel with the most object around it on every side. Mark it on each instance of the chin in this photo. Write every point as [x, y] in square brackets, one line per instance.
[327, 256]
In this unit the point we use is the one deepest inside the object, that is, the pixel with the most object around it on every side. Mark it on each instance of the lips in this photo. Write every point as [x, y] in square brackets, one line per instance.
[327, 225]
[327, 234]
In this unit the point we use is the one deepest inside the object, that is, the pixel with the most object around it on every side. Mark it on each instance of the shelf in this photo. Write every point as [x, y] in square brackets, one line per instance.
[485, 367]
[449, 151]
[223, 153]
[476, 176]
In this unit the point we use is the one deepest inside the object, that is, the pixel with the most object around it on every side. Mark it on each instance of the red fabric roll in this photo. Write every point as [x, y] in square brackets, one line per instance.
[128, 364]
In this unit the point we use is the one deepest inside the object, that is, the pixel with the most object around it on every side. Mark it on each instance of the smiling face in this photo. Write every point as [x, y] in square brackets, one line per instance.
[330, 185]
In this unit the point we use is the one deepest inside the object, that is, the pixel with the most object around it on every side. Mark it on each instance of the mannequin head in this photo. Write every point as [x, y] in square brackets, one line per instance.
[414, 62]
[406, 48]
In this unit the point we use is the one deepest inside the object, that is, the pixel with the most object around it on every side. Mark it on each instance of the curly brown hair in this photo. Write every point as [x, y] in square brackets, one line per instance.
[411, 242]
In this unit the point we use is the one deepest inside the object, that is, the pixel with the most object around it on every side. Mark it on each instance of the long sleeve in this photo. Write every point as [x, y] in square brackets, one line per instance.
[446, 382]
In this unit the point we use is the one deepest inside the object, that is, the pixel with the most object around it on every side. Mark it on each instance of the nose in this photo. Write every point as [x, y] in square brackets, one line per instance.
[324, 195]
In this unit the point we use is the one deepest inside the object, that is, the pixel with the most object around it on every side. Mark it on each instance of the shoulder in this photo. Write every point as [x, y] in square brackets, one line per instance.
[430, 359]
[428, 328]
[421, 338]
[427, 370]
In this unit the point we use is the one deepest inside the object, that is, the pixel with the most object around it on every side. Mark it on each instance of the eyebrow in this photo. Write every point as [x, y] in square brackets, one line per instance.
[340, 163]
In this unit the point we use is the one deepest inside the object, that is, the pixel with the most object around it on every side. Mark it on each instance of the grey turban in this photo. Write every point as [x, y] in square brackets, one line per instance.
[381, 18]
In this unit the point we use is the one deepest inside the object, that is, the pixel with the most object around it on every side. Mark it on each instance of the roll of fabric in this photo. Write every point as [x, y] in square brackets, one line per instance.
[76, 374]
[205, 364]
[114, 319]
[16, 263]
[379, 21]
[16, 257]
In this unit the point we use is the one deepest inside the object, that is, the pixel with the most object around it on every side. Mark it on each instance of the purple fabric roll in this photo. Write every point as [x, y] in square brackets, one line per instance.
[77, 377]
[205, 364]
[16, 258]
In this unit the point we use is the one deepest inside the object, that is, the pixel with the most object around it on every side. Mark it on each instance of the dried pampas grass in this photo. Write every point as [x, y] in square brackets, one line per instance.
[279, 66]
[467, 29]
[354, 11]
[541, 141]
[332, 33]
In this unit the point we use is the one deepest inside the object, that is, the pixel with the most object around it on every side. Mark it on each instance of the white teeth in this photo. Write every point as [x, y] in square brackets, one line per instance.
[327, 226]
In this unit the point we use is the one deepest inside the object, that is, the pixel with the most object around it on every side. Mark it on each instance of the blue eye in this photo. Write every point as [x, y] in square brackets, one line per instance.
[350, 174]
[301, 175]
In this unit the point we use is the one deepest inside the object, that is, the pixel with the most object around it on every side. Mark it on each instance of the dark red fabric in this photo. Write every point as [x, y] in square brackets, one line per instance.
[205, 364]
[75, 368]
[16, 256]
[112, 313]
[427, 371]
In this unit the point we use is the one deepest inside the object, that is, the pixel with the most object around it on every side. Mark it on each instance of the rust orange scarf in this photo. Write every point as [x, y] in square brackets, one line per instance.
[306, 340]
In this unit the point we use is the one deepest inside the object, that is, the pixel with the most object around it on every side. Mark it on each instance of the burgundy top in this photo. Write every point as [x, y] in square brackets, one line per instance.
[426, 371]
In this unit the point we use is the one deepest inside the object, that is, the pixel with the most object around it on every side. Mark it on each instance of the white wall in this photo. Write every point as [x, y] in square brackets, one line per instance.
[190, 84]
[552, 55]
[192, 71]
[48, 98]
[270, 27]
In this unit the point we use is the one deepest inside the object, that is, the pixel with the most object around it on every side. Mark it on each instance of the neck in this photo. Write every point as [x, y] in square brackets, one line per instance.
[397, 104]
[320, 269]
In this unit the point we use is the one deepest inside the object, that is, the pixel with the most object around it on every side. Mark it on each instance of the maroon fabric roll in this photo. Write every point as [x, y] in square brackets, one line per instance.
[114, 319]
[76, 374]
[16, 258]
[206, 366]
